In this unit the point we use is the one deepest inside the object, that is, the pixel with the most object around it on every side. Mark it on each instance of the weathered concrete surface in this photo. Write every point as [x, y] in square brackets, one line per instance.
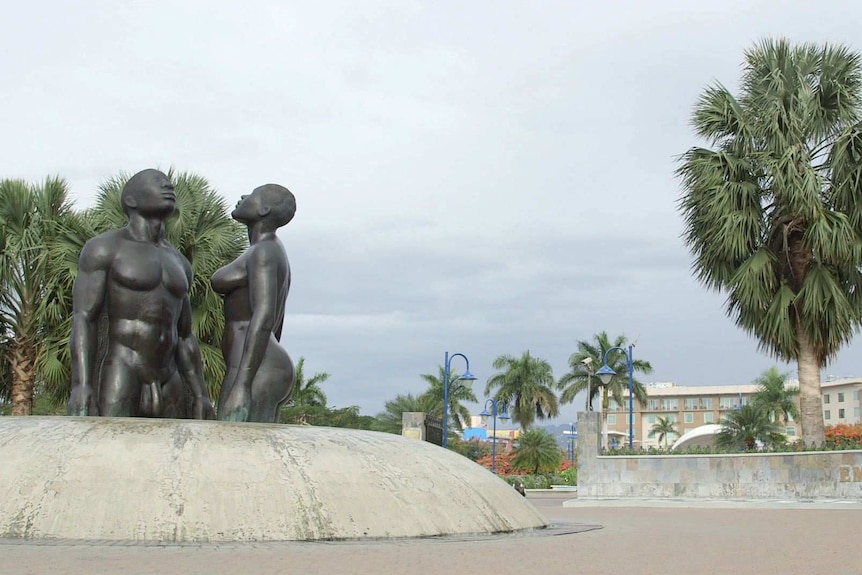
[809, 475]
[182, 480]
[632, 541]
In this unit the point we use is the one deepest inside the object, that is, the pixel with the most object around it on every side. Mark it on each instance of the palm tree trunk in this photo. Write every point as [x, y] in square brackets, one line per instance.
[810, 406]
[23, 366]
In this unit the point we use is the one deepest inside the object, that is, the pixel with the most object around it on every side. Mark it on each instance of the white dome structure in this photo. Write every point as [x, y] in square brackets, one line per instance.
[198, 481]
[703, 436]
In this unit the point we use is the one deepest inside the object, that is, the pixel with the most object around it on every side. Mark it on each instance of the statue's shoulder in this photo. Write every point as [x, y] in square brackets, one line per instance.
[267, 252]
[99, 251]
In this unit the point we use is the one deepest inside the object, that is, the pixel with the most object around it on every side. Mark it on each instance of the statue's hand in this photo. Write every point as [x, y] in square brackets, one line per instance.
[82, 401]
[203, 408]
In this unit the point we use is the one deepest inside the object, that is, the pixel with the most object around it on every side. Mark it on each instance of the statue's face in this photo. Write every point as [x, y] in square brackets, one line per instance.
[249, 208]
[155, 196]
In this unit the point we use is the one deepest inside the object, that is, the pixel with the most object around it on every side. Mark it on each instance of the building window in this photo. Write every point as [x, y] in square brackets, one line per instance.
[691, 403]
[651, 418]
[841, 413]
[727, 402]
[790, 431]
[652, 404]
[672, 417]
[709, 417]
[612, 419]
[826, 398]
[827, 414]
[790, 417]
[840, 397]
[856, 413]
[856, 395]
[689, 417]
[706, 403]
[669, 404]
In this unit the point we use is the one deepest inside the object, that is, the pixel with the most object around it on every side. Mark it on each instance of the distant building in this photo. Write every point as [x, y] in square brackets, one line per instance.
[693, 406]
[484, 431]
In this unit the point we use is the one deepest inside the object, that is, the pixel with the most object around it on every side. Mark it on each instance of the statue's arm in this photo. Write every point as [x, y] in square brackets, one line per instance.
[189, 361]
[88, 297]
[262, 269]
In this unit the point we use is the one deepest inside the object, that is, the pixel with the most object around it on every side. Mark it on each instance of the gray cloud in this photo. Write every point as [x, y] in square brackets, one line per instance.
[480, 177]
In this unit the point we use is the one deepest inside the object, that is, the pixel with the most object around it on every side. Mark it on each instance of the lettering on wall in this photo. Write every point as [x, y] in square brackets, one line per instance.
[850, 473]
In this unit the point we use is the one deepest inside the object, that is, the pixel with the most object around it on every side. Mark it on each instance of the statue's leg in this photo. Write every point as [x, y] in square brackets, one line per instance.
[176, 402]
[226, 387]
[119, 390]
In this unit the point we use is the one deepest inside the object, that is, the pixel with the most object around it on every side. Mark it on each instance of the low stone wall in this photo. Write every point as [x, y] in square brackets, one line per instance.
[822, 474]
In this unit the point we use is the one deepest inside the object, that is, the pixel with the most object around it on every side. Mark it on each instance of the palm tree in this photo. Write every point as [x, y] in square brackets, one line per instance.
[35, 294]
[578, 378]
[390, 419]
[525, 383]
[204, 233]
[307, 391]
[307, 395]
[664, 427]
[537, 450]
[579, 375]
[778, 400]
[743, 428]
[772, 210]
[459, 390]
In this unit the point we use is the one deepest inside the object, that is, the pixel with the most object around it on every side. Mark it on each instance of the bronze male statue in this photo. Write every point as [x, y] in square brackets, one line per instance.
[152, 362]
[260, 373]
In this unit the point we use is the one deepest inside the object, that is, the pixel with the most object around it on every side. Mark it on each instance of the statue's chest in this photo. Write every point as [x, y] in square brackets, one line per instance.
[143, 267]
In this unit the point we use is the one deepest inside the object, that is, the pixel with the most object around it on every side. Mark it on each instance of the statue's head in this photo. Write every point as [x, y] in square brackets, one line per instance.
[270, 202]
[149, 193]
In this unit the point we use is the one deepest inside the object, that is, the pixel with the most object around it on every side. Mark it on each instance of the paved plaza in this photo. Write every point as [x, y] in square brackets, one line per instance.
[627, 537]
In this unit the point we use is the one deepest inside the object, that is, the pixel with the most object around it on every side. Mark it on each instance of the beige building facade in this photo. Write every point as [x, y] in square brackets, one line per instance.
[692, 406]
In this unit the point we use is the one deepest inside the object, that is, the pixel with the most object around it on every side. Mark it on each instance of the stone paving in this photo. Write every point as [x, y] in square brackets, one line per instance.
[607, 537]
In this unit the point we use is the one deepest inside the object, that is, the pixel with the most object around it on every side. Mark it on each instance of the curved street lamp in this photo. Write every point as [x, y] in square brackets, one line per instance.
[466, 376]
[605, 374]
[498, 406]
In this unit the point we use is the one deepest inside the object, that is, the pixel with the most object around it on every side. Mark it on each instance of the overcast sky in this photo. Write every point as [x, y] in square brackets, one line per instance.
[480, 177]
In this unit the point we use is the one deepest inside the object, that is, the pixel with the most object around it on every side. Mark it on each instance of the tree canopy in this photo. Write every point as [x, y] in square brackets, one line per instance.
[526, 383]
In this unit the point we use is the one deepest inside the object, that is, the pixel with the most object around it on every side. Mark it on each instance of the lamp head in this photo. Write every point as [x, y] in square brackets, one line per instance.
[605, 374]
[467, 375]
[504, 412]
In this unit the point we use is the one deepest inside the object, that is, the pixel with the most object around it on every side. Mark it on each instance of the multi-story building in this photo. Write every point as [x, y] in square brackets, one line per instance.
[841, 400]
[693, 406]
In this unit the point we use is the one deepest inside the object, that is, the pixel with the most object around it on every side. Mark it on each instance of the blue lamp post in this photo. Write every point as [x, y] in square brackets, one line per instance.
[605, 374]
[499, 408]
[467, 376]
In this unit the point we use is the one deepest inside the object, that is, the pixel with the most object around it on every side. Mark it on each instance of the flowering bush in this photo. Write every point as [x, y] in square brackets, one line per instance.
[843, 434]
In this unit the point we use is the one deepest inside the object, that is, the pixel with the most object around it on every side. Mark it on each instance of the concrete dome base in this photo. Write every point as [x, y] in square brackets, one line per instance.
[195, 481]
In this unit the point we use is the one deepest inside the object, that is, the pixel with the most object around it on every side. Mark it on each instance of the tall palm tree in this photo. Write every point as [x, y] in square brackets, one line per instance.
[390, 419]
[35, 294]
[578, 379]
[537, 450]
[526, 383]
[743, 428]
[773, 396]
[459, 390]
[772, 208]
[202, 230]
[664, 427]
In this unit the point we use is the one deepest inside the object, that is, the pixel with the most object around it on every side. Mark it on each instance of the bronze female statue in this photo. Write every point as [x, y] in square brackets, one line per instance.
[260, 373]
